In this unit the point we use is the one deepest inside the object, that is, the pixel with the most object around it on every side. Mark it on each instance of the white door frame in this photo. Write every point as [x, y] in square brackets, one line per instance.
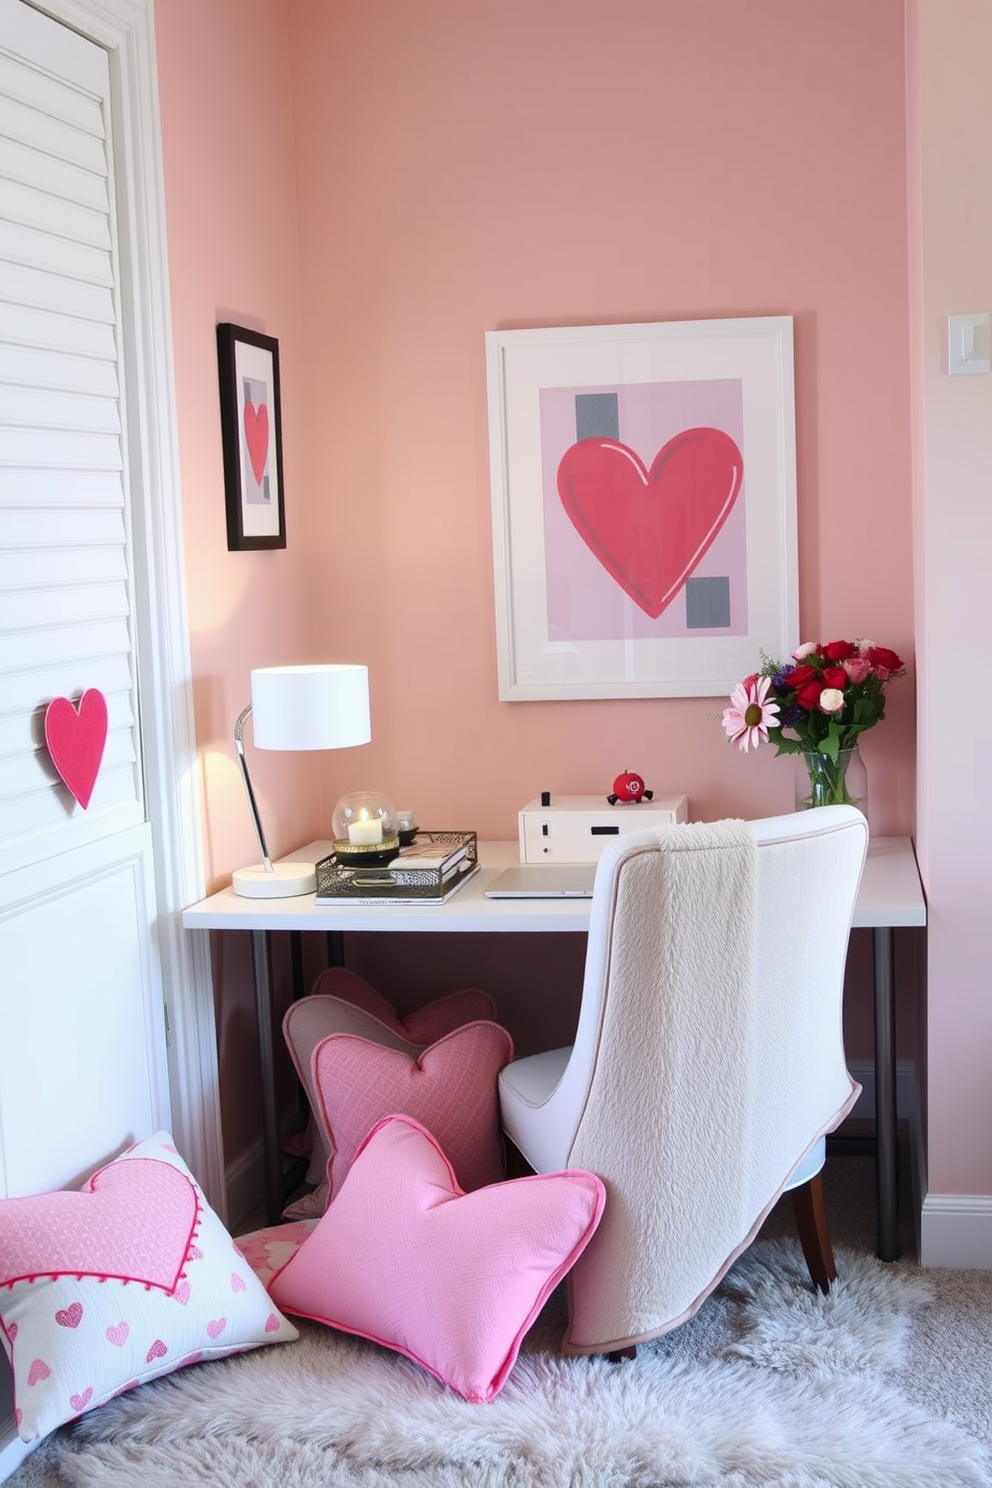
[125, 29]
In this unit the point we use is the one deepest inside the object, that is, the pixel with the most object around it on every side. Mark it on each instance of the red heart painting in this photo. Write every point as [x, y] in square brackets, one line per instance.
[75, 737]
[257, 438]
[650, 528]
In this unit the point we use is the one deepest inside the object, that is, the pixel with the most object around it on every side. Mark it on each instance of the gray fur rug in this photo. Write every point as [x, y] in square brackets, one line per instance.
[770, 1386]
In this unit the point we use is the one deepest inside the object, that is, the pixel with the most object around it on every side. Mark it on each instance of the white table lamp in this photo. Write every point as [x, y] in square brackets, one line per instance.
[297, 707]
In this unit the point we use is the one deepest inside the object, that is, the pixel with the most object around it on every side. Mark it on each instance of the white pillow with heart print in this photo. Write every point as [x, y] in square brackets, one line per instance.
[130, 1277]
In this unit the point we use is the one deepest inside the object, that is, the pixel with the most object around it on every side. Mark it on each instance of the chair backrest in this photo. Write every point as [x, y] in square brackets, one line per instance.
[709, 1054]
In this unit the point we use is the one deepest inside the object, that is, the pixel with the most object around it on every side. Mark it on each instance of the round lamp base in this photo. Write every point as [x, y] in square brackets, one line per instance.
[285, 880]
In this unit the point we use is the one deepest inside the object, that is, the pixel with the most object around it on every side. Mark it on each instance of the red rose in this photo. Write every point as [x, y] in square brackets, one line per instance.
[799, 676]
[839, 650]
[834, 677]
[808, 696]
[883, 660]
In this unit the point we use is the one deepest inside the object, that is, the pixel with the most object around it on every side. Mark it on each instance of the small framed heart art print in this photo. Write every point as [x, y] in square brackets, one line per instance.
[251, 430]
[643, 506]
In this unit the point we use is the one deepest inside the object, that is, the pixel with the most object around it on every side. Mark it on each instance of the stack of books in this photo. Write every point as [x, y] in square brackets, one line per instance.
[429, 870]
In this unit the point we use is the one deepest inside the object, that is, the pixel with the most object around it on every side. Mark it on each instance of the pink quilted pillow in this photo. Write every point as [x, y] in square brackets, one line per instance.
[452, 1280]
[451, 1087]
[425, 1025]
[130, 1277]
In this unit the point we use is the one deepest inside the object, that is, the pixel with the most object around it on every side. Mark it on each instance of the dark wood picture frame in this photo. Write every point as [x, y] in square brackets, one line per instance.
[251, 432]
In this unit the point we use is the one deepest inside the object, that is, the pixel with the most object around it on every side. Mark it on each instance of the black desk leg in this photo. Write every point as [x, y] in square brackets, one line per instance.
[886, 1150]
[261, 962]
[296, 962]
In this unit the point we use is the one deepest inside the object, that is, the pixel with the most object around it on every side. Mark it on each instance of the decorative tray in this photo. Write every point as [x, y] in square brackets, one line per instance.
[430, 868]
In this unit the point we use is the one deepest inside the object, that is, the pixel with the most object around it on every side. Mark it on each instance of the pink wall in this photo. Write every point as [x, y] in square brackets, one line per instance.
[378, 185]
[503, 164]
[224, 76]
[951, 235]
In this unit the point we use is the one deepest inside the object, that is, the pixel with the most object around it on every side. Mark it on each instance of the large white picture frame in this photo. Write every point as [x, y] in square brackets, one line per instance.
[643, 506]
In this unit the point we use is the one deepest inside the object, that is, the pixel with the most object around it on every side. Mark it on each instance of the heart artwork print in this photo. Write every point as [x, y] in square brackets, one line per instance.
[257, 438]
[76, 735]
[650, 528]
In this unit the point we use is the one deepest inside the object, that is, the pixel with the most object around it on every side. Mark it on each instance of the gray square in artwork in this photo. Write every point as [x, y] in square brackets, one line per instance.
[597, 416]
[707, 604]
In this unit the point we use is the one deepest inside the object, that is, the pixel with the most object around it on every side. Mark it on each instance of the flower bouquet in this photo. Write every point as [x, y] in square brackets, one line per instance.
[816, 705]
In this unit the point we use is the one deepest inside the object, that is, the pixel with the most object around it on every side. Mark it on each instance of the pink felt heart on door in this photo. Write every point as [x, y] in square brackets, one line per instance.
[257, 438]
[650, 528]
[133, 1221]
[75, 737]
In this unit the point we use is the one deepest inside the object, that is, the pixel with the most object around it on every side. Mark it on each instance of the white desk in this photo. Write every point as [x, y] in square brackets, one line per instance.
[890, 896]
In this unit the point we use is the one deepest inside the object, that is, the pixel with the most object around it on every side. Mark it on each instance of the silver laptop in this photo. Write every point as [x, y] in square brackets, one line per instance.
[544, 881]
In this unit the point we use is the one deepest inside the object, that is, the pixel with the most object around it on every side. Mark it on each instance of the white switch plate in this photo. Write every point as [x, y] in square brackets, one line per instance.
[969, 343]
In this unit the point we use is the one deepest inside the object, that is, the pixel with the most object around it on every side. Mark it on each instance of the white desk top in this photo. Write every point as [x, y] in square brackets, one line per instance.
[890, 895]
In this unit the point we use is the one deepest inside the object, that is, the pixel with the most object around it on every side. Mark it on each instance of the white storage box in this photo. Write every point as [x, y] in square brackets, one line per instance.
[575, 829]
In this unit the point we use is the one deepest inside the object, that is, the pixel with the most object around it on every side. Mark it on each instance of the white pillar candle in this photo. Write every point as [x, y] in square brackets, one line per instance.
[365, 831]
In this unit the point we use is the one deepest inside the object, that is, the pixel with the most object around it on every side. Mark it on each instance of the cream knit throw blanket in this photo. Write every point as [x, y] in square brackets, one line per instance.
[677, 1056]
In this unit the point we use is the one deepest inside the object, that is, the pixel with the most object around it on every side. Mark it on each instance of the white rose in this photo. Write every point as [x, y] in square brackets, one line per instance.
[831, 700]
[806, 649]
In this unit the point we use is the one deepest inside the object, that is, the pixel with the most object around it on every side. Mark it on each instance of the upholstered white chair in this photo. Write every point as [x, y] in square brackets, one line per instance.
[708, 1063]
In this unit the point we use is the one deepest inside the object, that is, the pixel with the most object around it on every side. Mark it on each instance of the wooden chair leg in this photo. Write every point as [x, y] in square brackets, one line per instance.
[814, 1233]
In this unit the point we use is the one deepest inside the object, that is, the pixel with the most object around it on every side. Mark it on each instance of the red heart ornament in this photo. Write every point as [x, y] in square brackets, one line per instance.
[650, 528]
[75, 737]
[257, 438]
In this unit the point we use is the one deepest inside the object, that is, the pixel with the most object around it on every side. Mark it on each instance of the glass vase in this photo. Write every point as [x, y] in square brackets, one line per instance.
[822, 781]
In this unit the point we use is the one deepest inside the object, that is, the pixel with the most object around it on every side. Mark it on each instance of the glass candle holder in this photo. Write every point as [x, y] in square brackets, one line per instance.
[365, 828]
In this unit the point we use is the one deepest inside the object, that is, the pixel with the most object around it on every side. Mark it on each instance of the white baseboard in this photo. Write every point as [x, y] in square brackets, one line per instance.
[952, 1230]
[863, 1070]
[917, 1173]
[956, 1231]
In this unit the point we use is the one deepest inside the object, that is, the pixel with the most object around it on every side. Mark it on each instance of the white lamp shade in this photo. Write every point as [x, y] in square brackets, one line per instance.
[310, 707]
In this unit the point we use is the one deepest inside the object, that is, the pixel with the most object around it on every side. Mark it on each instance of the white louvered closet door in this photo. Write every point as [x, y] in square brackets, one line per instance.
[82, 1037]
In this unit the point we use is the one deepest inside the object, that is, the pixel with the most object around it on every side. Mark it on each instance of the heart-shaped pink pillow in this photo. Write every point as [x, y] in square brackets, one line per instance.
[451, 1087]
[343, 1002]
[423, 1025]
[451, 1279]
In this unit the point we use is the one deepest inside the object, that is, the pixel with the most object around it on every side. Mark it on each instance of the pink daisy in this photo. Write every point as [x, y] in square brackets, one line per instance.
[750, 715]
